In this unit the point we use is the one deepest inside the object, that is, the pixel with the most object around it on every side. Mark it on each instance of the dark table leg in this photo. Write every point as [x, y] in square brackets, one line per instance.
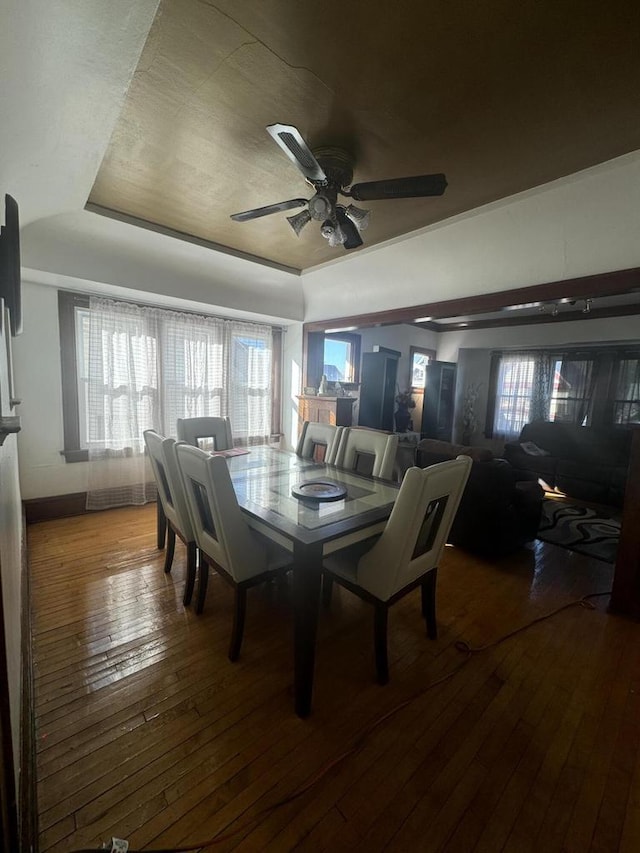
[162, 523]
[307, 568]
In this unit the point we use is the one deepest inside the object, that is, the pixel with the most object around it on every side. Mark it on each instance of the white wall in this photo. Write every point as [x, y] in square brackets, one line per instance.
[586, 223]
[11, 574]
[291, 383]
[43, 471]
[103, 252]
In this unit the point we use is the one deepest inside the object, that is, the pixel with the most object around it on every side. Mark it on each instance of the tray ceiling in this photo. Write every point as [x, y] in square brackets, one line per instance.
[501, 97]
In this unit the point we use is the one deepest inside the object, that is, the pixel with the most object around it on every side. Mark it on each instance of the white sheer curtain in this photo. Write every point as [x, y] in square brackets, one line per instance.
[122, 401]
[147, 367]
[514, 392]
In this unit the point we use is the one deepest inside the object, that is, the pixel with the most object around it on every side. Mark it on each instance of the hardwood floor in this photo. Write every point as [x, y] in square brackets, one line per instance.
[147, 732]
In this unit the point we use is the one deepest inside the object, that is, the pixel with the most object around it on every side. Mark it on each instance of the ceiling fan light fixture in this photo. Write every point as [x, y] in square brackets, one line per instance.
[332, 233]
[299, 220]
[358, 216]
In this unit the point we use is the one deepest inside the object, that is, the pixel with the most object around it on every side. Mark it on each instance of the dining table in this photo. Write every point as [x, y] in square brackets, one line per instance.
[264, 480]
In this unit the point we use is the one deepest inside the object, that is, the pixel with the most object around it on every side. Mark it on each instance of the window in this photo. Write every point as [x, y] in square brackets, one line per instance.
[514, 393]
[595, 387]
[626, 403]
[126, 369]
[418, 360]
[571, 390]
[341, 359]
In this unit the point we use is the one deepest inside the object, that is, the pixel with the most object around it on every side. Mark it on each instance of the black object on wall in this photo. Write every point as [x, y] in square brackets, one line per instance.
[10, 284]
[377, 390]
[439, 400]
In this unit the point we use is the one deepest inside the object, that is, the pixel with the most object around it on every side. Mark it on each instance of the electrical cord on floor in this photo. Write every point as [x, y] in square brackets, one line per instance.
[461, 645]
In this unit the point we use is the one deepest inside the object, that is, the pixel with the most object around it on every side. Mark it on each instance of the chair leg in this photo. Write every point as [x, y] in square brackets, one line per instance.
[380, 642]
[171, 547]
[238, 622]
[428, 587]
[203, 580]
[327, 589]
[192, 557]
[161, 524]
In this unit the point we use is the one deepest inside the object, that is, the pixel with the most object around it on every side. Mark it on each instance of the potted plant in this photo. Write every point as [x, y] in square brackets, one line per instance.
[405, 403]
[469, 417]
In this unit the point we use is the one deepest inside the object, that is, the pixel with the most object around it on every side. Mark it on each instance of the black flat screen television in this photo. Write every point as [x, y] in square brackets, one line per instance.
[10, 283]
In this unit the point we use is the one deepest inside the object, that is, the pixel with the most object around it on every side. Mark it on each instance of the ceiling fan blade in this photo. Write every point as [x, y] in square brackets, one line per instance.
[353, 238]
[415, 187]
[257, 212]
[289, 139]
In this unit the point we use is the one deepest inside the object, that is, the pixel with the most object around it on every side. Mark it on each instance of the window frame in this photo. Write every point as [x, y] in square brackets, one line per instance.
[431, 355]
[67, 303]
[354, 340]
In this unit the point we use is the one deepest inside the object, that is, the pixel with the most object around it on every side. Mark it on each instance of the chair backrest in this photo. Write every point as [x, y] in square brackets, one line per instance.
[356, 443]
[220, 529]
[218, 430]
[316, 435]
[162, 455]
[418, 527]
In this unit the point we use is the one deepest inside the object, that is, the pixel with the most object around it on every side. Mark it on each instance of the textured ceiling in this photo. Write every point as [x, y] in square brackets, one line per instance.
[500, 96]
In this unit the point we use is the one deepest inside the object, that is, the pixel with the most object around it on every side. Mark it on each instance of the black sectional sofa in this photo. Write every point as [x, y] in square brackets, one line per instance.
[583, 462]
[500, 508]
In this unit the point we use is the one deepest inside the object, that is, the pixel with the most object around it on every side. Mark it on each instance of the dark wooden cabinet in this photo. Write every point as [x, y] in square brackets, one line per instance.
[439, 400]
[378, 390]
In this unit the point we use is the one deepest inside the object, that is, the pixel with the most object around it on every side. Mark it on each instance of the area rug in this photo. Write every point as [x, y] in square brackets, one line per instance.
[580, 529]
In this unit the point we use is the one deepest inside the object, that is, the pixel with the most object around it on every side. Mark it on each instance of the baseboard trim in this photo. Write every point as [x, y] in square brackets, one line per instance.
[56, 506]
[64, 506]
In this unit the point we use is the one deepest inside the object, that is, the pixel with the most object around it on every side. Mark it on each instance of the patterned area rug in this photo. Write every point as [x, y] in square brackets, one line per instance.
[580, 529]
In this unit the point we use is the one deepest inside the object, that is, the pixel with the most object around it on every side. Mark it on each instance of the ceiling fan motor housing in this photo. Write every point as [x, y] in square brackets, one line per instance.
[337, 165]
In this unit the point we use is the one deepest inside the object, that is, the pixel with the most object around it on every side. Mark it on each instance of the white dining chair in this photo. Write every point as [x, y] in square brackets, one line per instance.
[215, 429]
[315, 435]
[164, 465]
[225, 541]
[368, 451]
[407, 553]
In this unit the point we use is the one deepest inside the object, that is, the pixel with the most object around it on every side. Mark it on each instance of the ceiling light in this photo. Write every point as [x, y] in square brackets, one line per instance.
[358, 216]
[587, 306]
[523, 305]
[342, 329]
[299, 220]
[423, 319]
[332, 232]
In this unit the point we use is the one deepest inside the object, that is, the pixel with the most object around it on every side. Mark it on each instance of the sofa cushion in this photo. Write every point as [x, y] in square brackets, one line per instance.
[582, 444]
[445, 448]
[542, 466]
[588, 463]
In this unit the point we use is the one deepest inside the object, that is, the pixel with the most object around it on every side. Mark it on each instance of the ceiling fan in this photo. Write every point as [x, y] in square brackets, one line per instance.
[329, 171]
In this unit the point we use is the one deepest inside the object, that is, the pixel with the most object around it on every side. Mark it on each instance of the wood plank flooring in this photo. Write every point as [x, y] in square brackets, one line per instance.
[147, 732]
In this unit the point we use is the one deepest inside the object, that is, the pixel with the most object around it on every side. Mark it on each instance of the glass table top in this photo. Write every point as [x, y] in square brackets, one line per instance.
[263, 480]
